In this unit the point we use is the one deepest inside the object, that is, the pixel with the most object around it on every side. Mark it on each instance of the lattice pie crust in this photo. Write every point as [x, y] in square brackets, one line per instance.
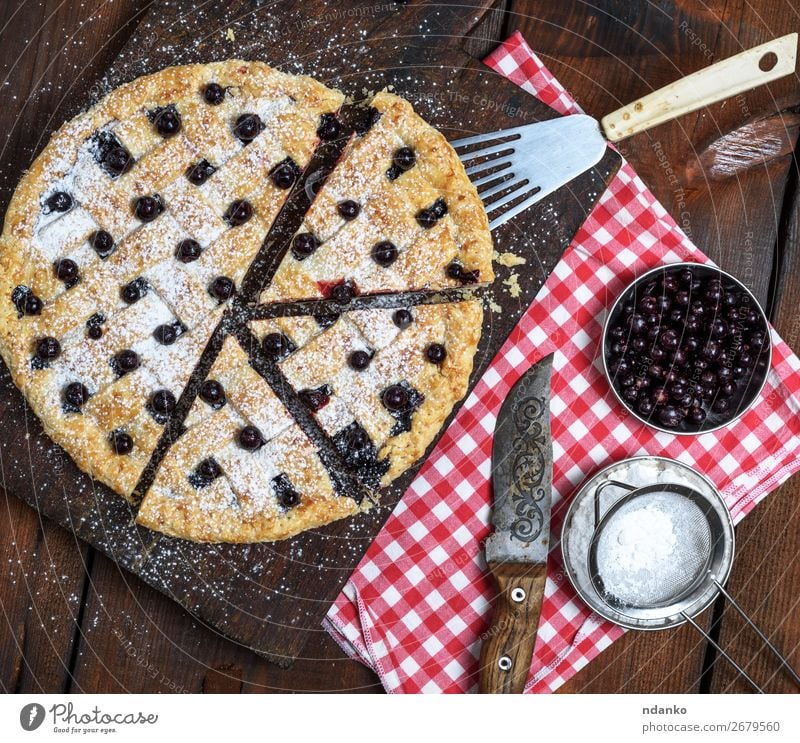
[239, 302]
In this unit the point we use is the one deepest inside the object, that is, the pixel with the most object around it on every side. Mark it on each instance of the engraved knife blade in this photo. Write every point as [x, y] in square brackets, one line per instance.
[522, 471]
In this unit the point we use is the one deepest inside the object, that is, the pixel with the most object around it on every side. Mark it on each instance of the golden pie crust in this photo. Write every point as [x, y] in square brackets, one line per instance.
[247, 500]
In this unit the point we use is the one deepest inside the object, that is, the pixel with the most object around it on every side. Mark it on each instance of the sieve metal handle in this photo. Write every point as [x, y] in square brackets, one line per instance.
[722, 652]
[600, 488]
[764, 638]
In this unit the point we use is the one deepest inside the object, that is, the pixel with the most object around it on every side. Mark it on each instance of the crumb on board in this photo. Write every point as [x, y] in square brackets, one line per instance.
[494, 307]
[508, 259]
[512, 282]
[229, 35]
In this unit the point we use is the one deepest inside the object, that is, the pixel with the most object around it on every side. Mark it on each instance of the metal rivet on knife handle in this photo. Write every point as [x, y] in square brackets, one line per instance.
[504, 664]
[518, 595]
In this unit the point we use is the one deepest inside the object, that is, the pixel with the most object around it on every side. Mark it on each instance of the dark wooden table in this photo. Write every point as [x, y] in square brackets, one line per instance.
[73, 621]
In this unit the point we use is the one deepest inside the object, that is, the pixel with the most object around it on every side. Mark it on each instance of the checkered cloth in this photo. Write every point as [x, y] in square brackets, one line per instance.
[416, 606]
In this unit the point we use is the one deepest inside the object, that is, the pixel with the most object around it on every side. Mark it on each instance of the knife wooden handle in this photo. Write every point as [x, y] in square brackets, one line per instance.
[512, 634]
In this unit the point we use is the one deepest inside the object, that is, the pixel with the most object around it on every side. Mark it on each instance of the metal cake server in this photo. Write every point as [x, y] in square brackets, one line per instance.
[516, 551]
[530, 162]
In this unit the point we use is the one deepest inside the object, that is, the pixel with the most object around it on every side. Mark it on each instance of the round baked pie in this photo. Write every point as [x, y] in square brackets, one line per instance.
[240, 302]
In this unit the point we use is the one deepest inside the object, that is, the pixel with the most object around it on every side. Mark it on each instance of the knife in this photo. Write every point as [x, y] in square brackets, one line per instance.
[516, 550]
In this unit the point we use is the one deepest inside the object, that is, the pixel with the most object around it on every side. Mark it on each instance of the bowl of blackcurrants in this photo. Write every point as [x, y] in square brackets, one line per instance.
[686, 348]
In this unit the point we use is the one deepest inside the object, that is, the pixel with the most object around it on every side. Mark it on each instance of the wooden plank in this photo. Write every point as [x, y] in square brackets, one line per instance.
[766, 572]
[490, 31]
[44, 575]
[267, 596]
[710, 169]
[135, 640]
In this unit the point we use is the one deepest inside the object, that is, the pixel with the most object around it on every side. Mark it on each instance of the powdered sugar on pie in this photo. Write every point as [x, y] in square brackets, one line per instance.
[127, 322]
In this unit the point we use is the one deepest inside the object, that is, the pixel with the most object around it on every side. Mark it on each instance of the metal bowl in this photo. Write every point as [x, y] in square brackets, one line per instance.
[742, 400]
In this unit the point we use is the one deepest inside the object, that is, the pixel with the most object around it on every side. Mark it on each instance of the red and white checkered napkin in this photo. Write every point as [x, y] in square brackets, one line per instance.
[416, 606]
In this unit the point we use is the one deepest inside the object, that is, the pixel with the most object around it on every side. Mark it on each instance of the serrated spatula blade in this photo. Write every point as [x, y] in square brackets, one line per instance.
[540, 158]
[522, 471]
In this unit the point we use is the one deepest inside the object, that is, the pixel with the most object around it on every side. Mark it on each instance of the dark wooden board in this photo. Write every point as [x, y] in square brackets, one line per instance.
[269, 597]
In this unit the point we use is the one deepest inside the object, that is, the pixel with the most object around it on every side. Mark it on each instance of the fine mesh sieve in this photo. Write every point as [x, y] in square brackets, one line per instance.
[665, 577]
[667, 570]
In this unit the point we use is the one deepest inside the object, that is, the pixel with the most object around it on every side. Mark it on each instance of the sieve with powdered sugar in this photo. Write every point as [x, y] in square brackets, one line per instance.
[648, 543]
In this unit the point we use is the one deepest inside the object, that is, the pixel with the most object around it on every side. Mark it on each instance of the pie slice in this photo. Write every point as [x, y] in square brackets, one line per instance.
[243, 471]
[397, 214]
[157, 265]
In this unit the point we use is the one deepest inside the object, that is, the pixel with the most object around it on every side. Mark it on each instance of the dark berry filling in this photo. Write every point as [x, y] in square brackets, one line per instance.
[222, 288]
[121, 442]
[199, 173]
[303, 245]
[428, 217]
[457, 272]
[435, 353]
[384, 253]
[214, 94]
[285, 173]
[212, 393]
[278, 346]
[48, 349]
[329, 127]
[365, 119]
[26, 302]
[402, 318]
[67, 270]
[111, 155]
[125, 361]
[404, 158]
[360, 455]
[168, 333]
[248, 127]
[315, 399]
[60, 201]
[162, 405]
[285, 494]
[147, 208]
[348, 209]
[118, 161]
[341, 292]
[326, 319]
[94, 325]
[135, 290]
[239, 212]
[439, 208]
[359, 359]
[166, 120]
[393, 173]
[205, 473]
[188, 250]
[250, 438]
[401, 400]
[75, 396]
[395, 398]
[103, 243]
